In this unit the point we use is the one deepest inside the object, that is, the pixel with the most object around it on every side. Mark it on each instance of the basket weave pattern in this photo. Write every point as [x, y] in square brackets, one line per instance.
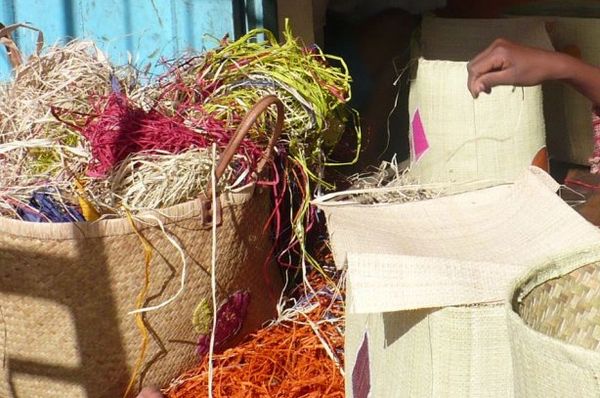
[66, 290]
[567, 308]
[65, 302]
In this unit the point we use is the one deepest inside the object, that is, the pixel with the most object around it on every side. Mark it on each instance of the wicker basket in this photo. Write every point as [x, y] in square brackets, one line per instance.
[427, 281]
[456, 139]
[66, 290]
[554, 321]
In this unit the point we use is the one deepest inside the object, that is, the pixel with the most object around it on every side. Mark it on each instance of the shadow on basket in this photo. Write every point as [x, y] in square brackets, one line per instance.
[67, 290]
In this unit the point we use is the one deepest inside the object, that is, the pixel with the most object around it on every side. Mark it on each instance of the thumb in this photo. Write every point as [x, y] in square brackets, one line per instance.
[485, 82]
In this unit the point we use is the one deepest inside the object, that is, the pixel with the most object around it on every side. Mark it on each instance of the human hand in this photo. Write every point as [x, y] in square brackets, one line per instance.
[149, 393]
[508, 63]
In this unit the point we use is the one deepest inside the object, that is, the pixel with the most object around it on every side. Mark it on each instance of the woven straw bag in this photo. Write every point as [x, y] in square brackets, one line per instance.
[455, 138]
[66, 289]
[554, 319]
[427, 281]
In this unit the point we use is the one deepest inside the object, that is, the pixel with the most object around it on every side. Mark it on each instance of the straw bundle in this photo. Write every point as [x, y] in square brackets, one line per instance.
[36, 150]
[63, 77]
[402, 186]
[156, 180]
[314, 88]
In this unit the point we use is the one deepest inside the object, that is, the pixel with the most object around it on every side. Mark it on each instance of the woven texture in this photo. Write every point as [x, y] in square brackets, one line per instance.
[461, 349]
[66, 290]
[567, 308]
[552, 317]
[494, 137]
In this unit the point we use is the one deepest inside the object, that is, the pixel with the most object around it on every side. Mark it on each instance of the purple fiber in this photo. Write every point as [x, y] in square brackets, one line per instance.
[230, 318]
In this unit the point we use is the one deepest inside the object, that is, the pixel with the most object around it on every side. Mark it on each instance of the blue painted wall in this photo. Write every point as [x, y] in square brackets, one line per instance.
[146, 29]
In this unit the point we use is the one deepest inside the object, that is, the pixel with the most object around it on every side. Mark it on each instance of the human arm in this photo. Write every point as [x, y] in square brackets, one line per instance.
[508, 63]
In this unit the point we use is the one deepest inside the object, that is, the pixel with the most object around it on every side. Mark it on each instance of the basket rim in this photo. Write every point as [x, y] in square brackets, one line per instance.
[119, 226]
[467, 188]
[543, 271]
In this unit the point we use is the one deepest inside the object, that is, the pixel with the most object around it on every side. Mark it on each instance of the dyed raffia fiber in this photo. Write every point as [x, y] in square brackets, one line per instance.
[314, 87]
[300, 355]
[36, 149]
[77, 283]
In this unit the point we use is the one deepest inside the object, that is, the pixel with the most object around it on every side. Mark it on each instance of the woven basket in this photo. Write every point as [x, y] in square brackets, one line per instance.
[554, 322]
[66, 290]
[455, 138]
[427, 281]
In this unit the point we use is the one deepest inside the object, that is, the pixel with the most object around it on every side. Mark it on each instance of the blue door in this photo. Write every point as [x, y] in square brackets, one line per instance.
[146, 30]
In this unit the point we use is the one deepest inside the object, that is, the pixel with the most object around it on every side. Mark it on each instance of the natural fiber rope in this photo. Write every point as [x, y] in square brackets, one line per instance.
[181, 252]
[213, 269]
[139, 317]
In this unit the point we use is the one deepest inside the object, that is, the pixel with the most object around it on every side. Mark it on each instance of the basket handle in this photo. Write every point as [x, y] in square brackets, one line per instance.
[14, 54]
[249, 119]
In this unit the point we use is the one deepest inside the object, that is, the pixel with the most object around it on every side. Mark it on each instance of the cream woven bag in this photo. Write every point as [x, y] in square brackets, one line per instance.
[455, 138]
[66, 290]
[554, 318]
[426, 281]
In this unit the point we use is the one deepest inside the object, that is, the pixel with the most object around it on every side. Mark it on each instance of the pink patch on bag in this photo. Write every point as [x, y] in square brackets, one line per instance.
[419, 143]
[230, 318]
[361, 374]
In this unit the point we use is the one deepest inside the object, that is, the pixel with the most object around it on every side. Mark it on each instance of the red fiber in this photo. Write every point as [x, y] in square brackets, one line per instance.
[121, 129]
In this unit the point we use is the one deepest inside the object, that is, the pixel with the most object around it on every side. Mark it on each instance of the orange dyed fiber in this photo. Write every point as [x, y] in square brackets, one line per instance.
[285, 360]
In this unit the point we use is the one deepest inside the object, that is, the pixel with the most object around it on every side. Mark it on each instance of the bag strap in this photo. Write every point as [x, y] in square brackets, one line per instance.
[15, 56]
[247, 122]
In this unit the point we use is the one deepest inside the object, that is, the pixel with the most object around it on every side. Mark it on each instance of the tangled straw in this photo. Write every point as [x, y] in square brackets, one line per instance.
[156, 180]
[115, 134]
[314, 88]
[301, 355]
[62, 77]
[230, 79]
[400, 186]
[36, 150]
[121, 129]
